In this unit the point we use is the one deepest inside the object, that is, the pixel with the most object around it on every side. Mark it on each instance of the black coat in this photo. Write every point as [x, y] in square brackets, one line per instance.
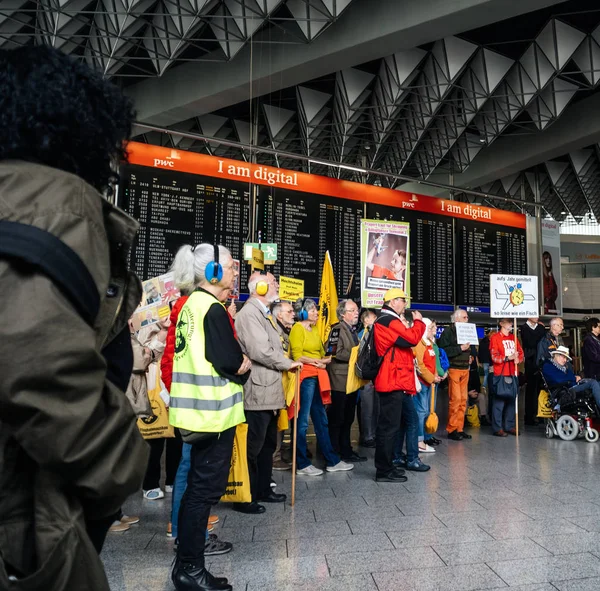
[530, 337]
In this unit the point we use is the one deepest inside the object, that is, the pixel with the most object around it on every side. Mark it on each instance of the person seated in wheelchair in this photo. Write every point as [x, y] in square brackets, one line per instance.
[558, 375]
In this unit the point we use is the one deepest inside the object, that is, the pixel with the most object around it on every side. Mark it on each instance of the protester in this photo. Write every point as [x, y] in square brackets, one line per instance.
[395, 383]
[315, 390]
[209, 370]
[558, 372]
[590, 350]
[532, 332]
[506, 383]
[442, 365]
[368, 400]
[551, 341]
[426, 363]
[458, 377]
[71, 451]
[263, 392]
[342, 412]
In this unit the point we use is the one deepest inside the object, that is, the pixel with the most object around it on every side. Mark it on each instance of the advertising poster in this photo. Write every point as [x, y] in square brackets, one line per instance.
[385, 260]
[551, 268]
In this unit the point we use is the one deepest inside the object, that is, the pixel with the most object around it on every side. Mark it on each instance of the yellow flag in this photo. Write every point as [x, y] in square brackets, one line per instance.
[328, 300]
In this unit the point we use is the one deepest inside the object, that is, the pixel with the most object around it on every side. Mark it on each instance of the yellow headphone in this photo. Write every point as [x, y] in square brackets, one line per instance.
[262, 287]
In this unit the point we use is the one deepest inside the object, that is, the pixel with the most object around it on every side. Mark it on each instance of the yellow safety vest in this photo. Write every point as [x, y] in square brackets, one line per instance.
[202, 400]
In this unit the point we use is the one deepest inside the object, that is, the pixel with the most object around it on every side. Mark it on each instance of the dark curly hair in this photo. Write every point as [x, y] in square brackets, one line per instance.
[58, 112]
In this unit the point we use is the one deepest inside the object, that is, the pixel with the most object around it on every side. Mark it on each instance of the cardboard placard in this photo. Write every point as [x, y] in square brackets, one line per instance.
[466, 332]
[291, 289]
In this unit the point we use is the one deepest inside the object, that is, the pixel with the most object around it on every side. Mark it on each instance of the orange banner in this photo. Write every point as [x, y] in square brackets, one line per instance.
[236, 170]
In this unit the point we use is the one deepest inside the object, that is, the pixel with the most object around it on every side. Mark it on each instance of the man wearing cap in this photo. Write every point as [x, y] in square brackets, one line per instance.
[557, 372]
[395, 380]
[504, 356]
[458, 376]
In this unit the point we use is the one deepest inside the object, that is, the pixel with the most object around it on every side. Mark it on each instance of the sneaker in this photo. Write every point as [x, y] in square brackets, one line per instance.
[117, 527]
[215, 547]
[393, 476]
[154, 494]
[432, 442]
[169, 488]
[310, 471]
[455, 436]
[280, 466]
[170, 530]
[417, 466]
[426, 449]
[213, 520]
[341, 466]
[465, 435]
[273, 484]
[400, 462]
[129, 520]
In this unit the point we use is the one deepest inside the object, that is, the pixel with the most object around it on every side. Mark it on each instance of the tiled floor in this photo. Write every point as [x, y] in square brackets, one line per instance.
[492, 513]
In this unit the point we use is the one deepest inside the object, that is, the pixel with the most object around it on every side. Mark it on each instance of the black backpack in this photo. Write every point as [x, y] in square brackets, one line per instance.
[368, 362]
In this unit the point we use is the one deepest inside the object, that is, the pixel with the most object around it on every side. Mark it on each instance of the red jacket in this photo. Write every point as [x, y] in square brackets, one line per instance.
[394, 340]
[166, 362]
[501, 346]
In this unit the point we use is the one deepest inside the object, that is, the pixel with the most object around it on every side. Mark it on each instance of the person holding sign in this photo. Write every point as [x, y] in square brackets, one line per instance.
[458, 375]
[506, 383]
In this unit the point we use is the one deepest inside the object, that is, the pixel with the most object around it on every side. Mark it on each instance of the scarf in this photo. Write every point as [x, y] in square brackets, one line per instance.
[562, 368]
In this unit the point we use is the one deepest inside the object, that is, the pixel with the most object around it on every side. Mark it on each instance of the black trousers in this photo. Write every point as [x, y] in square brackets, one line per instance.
[98, 528]
[210, 460]
[532, 390]
[262, 442]
[388, 427]
[173, 445]
[341, 416]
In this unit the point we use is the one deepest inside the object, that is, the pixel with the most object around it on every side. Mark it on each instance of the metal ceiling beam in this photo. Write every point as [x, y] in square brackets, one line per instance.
[365, 31]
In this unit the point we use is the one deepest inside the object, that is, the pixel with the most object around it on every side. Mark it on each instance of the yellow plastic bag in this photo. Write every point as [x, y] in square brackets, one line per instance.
[353, 382]
[157, 424]
[473, 416]
[544, 407]
[238, 483]
[432, 422]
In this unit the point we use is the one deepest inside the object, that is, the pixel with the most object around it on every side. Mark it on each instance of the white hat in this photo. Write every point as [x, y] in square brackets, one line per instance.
[562, 351]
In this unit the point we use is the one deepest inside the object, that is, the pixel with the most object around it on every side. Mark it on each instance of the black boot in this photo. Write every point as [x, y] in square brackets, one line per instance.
[192, 577]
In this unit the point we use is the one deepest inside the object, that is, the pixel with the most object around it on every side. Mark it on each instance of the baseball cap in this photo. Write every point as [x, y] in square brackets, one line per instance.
[392, 294]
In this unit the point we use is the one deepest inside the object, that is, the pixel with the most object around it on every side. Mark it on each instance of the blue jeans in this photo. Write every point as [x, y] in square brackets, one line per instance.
[179, 486]
[408, 430]
[592, 385]
[422, 404]
[486, 372]
[311, 404]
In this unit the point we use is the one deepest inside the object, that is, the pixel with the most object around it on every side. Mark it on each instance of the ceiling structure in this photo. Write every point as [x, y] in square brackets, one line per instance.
[497, 97]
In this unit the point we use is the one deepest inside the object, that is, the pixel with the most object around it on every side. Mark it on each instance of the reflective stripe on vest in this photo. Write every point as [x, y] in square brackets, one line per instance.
[201, 399]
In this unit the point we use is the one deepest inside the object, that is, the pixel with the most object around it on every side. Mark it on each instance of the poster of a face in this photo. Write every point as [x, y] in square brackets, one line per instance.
[235, 292]
[385, 259]
[160, 289]
[551, 268]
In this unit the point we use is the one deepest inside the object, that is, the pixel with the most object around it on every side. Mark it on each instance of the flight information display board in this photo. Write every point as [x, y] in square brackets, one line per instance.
[431, 254]
[483, 249]
[305, 226]
[176, 208]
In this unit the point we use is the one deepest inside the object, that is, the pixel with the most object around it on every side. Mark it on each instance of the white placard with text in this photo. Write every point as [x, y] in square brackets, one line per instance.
[514, 296]
[466, 332]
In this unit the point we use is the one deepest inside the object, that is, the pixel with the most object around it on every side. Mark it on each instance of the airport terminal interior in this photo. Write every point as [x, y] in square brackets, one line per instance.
[443, 154]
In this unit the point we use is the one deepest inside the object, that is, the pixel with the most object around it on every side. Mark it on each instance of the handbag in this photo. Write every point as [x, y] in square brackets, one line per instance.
[432, 421]
[238, 482]
[505, 386]
[473, 416]
[353, 382]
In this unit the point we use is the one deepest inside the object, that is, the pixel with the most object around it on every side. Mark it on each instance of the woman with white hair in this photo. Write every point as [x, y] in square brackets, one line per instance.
[426, 368]
[209, 370]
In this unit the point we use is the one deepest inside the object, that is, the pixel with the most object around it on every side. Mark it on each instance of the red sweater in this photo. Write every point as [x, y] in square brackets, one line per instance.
[166, 363]
[501, 346]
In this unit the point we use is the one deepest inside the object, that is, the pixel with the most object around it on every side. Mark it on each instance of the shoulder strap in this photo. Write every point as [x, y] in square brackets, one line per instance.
[56, 260]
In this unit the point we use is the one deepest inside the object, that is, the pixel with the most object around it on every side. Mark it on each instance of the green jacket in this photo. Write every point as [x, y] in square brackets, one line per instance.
[70, 450]
[458, 358]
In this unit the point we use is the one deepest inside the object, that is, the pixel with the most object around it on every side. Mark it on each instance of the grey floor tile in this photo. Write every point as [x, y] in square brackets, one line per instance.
[592, 584]
[362, 512]
[587, 523]
[540, 570]
[570, 543]
[431, 537]
[251, 551]
[241, 520]
[465, 578]
[484, 517]
[348, 583]
[567, 510]
[333, 545]
[363, 526]
[290, 530]
[527, 529]
[478, 552]
[381, 561]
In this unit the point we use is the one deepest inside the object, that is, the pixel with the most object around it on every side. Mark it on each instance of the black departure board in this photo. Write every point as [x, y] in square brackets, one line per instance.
[305, 227]
[431, 253]
[176, 208]
[485, 249]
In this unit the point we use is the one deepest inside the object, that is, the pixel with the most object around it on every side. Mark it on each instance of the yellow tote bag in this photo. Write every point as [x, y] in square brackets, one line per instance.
[473, 416]
[238, 483]
[353, 382]
[544, 406]
[157, 424]
[432, 421]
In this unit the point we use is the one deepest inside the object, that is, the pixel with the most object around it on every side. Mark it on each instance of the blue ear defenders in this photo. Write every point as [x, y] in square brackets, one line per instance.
[214, 271]
[303, 314]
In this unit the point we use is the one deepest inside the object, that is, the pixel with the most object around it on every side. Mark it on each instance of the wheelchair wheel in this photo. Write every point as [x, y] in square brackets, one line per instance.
[567, 427]
[549, 429]
[591, 435]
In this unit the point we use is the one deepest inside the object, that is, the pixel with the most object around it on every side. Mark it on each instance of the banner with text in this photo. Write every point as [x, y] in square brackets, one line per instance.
[551, 268]
[385, 261]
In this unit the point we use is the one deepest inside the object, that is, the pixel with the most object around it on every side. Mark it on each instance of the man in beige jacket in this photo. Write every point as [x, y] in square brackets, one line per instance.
[263, 392]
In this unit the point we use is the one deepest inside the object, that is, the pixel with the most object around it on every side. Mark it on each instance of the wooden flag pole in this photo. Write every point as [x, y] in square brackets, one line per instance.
[516, 378]
[295, 436]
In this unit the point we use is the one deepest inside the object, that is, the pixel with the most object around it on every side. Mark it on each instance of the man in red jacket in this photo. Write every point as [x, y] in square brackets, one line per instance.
[395, 380]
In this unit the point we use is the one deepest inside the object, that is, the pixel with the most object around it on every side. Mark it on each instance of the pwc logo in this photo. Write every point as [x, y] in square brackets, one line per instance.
[161, 162]
[411, 204]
